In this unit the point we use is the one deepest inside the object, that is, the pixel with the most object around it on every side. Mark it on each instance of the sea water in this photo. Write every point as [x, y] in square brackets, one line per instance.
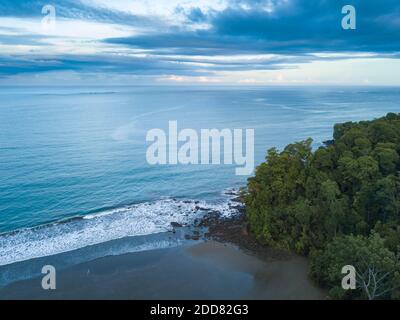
[73, 169]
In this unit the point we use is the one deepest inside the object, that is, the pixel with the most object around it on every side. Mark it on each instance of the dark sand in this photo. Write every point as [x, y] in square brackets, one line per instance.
[206, 270]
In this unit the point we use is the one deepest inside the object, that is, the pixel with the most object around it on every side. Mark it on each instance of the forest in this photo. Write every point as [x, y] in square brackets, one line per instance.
[338, 204]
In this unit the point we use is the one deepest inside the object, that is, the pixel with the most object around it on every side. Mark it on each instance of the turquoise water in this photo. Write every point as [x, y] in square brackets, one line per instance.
[67, 152]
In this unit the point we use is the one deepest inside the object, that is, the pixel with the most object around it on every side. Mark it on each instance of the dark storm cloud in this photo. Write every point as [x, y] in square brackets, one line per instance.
[292, 27]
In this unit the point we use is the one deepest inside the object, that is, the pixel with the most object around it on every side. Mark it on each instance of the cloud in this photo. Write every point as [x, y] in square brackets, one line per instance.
[184, 41]
[249, 81]
[72, 9]
[188, 79]
[282, 27]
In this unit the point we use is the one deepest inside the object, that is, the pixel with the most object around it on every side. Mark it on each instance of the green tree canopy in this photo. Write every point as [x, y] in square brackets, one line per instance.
[304, 200]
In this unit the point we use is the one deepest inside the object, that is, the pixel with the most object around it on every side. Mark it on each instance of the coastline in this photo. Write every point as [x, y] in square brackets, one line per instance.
[217, 259]
[206, 270]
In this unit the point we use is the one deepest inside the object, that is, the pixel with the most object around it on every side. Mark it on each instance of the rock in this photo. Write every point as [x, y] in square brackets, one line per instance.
[198, 208]
[213, 212]
[244, 232]
[234, 228]
[176, 225]
[328, 143]
[230, 192]
[236, 199]
[245, 229]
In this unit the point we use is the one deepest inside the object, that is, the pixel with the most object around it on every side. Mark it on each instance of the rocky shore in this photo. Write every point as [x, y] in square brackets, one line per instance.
[234, 230]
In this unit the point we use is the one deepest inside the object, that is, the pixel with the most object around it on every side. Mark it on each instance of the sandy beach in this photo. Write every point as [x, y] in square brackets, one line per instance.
[203, 270]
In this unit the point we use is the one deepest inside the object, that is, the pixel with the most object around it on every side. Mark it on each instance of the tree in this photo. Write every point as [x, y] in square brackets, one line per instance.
[377, 268]
[333, 202]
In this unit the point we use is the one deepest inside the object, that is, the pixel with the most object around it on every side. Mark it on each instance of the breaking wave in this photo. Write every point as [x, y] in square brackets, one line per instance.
[133, 220]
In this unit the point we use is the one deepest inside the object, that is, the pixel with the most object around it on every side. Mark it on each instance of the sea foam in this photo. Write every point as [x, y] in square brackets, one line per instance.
[133, 220]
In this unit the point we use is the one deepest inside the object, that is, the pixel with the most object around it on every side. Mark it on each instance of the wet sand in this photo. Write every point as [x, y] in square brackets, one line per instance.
[205, 270]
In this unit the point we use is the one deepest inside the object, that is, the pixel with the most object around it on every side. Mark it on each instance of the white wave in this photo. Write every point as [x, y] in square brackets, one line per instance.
[135, 220]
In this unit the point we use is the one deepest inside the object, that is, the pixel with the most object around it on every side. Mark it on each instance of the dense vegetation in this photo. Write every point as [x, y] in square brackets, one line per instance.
[339, 204]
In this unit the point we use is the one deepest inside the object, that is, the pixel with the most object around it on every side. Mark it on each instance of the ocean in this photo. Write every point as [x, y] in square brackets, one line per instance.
[73, 169]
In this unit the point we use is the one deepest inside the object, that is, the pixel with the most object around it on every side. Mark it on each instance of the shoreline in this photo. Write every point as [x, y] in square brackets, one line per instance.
[234, 230]
[202, 270]
[217, 258]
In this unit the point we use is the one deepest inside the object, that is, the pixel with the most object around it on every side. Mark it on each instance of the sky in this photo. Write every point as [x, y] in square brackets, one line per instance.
[226, 42]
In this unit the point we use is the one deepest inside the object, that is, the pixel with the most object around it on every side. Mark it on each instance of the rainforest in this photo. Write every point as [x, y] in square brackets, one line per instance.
[338, 205]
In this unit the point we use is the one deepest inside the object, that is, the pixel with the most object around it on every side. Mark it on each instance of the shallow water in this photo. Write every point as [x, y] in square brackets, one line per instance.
[208, 270]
